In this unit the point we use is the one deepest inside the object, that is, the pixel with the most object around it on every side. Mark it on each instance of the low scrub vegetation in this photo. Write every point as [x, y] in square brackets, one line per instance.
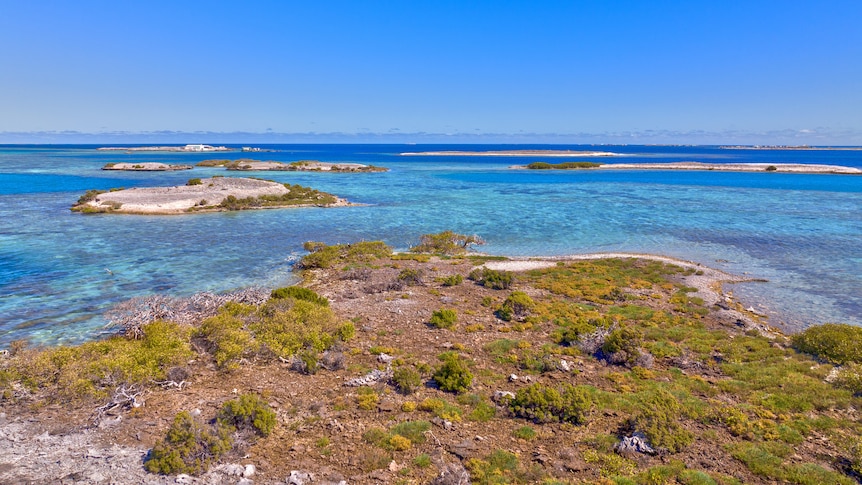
[447, 243]
[324, 256]
[832, 342]
[493, 279]
[443, 318]
[453, 374]
[562, 166]
[296, 195]
[191, 445]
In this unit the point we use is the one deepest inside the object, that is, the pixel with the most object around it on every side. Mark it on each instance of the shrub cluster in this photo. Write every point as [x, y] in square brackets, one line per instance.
[406, 379]
[191, 445]
[446, 243]
[543, 404]
[324, 256]
[623, 346]
[453, 280]
[400, 437]
[299, 293]
[443, 318]
[562, 166]
[454, 374]
[95, 369]
[659, 417]
[489, 278]
[516, 306]
[282, 327]
[411, 277]
[838, 343]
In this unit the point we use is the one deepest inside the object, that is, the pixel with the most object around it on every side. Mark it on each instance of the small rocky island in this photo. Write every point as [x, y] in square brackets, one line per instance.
[145, 167]
[249, 165]
[205, 195]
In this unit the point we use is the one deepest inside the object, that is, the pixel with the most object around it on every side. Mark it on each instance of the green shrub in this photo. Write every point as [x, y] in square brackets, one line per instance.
[623, 344]
[248, 413]
[412, 277]
[454, 374]
[838, 343]
[771, 168]
[516, 306]
[482, 412]
[850, 377]
[89, 196]
[227, 339]
[453, 280]
[194, 181]
[443, 318]
[287, 327]
[299, 293]
[543, 404]
[412, 430]
[497, 468]
[446, 242]
[489, 278]
[422, 461]
[95, 369]
[562, 166]
[525, 433]
[406, 379]
[323, 256]
[189, 447]
[660, 413]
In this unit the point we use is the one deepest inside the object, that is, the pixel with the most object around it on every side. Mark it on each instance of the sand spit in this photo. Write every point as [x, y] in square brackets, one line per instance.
[146, 167]
[204, 196]
[515, 153]
[720, 167]
[708, 281]
[735, 167]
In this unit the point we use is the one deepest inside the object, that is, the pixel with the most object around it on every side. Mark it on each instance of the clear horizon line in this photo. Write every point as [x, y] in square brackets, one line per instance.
[792, 137]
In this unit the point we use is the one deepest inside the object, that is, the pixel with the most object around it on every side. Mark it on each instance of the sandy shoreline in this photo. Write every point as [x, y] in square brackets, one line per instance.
[516, 153]
[145, 167]
[725, 167]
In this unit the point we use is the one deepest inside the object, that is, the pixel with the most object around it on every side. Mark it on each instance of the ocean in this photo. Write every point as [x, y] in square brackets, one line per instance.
[60, 271]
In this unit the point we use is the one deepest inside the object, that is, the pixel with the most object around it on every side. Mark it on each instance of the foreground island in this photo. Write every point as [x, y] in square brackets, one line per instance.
[441, 366]
[205, 195]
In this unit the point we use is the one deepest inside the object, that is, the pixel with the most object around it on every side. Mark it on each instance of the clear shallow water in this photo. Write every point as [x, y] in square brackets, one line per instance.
[801, 232]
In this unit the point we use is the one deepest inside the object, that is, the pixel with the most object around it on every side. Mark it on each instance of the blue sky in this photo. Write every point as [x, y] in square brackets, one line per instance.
[569, 71]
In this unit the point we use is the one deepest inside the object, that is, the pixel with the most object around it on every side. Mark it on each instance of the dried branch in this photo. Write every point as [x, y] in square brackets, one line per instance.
[131, 315]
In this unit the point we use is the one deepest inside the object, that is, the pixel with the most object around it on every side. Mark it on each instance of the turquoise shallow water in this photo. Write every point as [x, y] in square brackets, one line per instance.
[801, 232]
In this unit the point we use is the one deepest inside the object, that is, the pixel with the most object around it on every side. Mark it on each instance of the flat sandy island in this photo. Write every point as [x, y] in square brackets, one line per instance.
[516, 153]
[721, 167]
[205, 195]
[145, 167]
[249, 165]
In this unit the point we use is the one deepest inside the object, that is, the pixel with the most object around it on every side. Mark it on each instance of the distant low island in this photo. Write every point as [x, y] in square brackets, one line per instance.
[723, 167]
[300, 166]
[145, 167]
[205, 195]
[787, 147]
[194, 148]
[514, 153]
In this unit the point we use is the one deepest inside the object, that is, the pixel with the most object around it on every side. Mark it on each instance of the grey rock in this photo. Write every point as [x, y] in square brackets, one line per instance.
[452, 474]
[637, 443]
[299, 478]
